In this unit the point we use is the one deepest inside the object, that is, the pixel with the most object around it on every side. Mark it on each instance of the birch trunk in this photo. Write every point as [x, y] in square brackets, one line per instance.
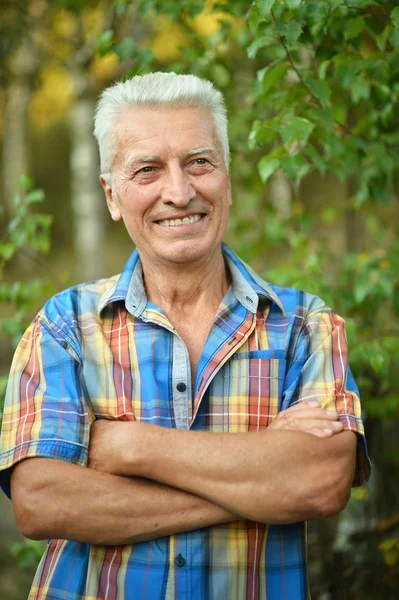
[15, 153]
[87, 202]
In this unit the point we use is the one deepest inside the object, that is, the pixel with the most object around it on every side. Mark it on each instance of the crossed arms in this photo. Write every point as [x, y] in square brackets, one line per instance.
[145, 482]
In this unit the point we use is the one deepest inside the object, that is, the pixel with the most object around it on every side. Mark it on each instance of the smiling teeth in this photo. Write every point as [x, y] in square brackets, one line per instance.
[176, 222]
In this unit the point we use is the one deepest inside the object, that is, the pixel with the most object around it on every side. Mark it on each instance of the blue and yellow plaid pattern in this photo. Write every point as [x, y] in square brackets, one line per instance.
[101, 350]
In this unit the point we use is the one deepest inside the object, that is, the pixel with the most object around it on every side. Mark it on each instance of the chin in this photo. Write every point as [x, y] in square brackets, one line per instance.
[185, 255]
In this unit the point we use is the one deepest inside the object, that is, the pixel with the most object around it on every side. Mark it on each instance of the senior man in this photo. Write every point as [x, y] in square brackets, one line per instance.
[170, 429]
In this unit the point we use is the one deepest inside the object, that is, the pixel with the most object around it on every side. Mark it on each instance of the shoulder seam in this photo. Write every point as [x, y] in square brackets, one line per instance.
[45, 319]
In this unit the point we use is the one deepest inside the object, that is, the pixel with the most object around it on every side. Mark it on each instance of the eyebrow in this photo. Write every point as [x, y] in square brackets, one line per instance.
[200, 151]
[141, 159]
[149, 159]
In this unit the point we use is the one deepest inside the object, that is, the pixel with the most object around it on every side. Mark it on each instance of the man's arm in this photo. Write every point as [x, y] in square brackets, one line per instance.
[271, 477]
[59, 500]
[103, 508]
[280, 475]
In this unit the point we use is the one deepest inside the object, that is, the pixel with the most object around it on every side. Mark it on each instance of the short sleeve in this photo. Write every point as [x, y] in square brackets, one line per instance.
[45, 412]
[319, 369]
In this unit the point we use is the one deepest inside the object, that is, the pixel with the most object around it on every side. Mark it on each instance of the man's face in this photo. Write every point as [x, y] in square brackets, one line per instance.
[170, 184]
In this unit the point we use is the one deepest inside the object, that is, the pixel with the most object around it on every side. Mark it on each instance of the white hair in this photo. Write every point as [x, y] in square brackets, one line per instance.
[156, 89]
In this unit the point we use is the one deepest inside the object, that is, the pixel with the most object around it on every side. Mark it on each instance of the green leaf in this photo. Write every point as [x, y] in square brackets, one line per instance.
[220, 75]
[293, 3]
[265, 6]
[353, 28]
[262, 41]
[317, 14]
[320, 89]
[333, 4]
[395, 17]
[323, 68]
[382, 38]
[387, 114]
[388, 544]
[25, 182]
[297, 129]
[359, 89]
[125, 48]
[260, 134]
[7, 251]
[394, 37]
[104, 40]
[266, 167]
[254, 19]
[295, 166]
[391, 557]
[316, 159]
[362, 287]
[290, 31]
[34, 197]
[272, 76]
[337, 167]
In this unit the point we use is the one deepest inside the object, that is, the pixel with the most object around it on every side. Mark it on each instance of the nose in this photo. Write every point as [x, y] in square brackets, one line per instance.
[177, 189]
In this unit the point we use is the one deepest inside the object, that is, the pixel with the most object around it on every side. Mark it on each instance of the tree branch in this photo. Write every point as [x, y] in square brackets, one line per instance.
[305, 85]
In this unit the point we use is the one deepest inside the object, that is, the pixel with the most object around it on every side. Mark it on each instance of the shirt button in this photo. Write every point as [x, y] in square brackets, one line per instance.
[180, 561]
[181, 387]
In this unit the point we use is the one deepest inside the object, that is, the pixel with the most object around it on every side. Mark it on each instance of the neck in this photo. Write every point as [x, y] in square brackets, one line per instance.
[177, 287]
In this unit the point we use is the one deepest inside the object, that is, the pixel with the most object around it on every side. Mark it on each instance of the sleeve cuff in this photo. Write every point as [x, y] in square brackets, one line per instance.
[58, 449]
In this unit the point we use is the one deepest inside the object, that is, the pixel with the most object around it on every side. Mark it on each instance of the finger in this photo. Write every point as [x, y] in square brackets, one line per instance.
[303, 405]
[308, 424]
[286, 416]
[321, 433]
[312, 413]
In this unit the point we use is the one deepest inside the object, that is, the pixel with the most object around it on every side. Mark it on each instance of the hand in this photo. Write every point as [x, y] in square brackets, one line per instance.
[310, 418]
[109, 444]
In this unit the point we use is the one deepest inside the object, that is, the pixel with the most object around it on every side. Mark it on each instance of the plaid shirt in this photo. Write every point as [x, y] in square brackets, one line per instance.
[102, 350]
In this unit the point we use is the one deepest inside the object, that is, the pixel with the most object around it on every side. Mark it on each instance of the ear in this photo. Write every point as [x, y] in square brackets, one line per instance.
[111, 199]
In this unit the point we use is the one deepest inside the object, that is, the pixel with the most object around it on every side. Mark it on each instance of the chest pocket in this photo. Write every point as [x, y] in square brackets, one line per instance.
[246, 394]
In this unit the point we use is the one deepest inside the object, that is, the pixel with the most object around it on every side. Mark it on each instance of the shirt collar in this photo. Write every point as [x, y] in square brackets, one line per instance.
[247, 285]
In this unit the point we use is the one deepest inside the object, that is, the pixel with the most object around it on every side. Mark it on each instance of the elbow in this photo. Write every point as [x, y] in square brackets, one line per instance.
[31, 531]
[29, 521]
[331, 500]
[332, 487]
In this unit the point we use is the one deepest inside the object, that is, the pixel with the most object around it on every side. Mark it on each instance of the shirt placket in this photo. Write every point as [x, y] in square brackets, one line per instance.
[180, 545]
[181, 384]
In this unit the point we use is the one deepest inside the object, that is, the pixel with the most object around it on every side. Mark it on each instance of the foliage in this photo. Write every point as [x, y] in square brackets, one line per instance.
[390, 549]
[27, 232]
[28, 553]
[329, 88]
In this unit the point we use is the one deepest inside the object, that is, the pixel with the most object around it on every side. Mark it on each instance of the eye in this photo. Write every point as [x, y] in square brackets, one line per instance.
[200, 161]
[146, 170]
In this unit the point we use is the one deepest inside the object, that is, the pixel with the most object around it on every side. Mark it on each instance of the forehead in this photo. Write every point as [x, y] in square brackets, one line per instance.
[166, 129]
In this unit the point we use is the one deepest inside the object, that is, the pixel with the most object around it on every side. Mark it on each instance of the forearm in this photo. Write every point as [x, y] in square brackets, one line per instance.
[273, 477]
[58, 500]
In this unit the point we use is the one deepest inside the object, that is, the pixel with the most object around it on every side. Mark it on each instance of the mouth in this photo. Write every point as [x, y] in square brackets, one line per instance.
[181, 222]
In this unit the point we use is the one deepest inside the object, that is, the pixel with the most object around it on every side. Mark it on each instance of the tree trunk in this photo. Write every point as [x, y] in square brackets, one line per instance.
[87, 202]
[15, 151]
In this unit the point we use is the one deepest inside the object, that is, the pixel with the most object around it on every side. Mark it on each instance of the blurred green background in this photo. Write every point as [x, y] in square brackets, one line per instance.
[312, 90]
